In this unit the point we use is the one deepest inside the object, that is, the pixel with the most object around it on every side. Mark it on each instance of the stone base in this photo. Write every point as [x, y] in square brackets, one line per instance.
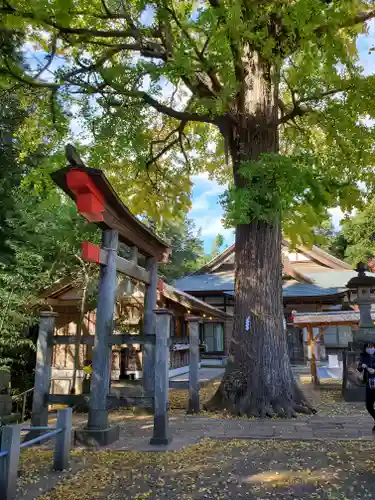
[13, 418]
[155, 441]
[93, 438]
[355, 394]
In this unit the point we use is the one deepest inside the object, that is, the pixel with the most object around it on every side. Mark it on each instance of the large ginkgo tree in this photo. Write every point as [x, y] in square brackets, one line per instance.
[267, 95]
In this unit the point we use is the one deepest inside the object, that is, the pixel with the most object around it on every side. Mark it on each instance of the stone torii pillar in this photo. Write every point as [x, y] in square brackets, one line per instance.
[43, 368]
[194, 383]
[101, 364]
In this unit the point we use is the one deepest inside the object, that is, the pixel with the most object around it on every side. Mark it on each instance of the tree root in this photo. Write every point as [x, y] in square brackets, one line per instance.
[247, 404]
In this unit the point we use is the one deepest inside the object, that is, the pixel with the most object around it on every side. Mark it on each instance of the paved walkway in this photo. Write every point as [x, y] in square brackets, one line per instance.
[206, 376]
[187, 430]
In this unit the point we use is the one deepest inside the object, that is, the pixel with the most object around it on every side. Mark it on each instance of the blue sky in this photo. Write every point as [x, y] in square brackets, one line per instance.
[207, 212]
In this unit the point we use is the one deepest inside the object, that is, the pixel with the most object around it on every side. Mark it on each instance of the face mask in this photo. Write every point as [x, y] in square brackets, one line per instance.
[370, 350]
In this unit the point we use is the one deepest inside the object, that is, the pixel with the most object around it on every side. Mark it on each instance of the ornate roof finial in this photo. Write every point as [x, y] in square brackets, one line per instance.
[361, 268]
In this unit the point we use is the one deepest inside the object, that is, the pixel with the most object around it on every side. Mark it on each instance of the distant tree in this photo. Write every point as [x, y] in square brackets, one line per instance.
[330, 240]
[359, 234]
[217, 246]
[187, 248]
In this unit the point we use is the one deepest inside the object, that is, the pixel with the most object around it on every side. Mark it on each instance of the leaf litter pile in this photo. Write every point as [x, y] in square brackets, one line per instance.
[226, 470]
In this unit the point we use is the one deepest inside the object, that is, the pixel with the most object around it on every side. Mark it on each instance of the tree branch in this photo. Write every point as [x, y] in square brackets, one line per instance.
[27, 81]
[210, 72]
[296, 111]
[299, 110]
[130, 32]
[237, 61]
[359, 17]
[162, 108]
[49, 58]
[161, 153]
[173, 113]
[106, 9]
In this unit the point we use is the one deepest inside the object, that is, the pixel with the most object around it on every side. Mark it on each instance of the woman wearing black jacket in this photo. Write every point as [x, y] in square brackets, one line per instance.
[367, 365]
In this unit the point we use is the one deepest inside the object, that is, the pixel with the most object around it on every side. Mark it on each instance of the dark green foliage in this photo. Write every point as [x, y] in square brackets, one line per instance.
[359, 234]
[45, 236]
[187, 249]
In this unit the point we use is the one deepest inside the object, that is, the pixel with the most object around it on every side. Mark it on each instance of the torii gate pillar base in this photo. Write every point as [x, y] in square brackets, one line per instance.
[93, 438]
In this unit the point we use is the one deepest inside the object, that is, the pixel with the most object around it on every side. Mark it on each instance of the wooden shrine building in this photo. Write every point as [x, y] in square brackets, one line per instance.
[65, 297]
[313, 281]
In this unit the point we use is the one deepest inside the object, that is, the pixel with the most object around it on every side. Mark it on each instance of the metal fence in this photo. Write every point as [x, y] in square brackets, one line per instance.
[22, 402]
[11, 446]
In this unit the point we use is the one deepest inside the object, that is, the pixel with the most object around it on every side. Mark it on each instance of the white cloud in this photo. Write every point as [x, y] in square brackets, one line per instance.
[212, 226]
[336, 216]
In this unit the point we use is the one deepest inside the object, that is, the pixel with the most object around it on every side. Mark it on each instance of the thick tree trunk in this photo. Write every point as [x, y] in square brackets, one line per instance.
[258, 379]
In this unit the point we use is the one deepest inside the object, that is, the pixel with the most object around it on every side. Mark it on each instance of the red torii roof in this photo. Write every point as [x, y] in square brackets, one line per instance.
[98, 202]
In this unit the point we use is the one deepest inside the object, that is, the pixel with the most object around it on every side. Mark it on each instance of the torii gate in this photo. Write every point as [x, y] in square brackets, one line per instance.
[97, 201]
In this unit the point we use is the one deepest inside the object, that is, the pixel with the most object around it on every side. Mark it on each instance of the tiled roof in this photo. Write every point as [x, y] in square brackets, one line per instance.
[324, 283]
[294, 289]
[189, 301]
[336, 279]
[334, 317]
[224, 282]
[219, 282]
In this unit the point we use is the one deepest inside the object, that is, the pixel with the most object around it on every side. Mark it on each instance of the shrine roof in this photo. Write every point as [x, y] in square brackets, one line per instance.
[224, 282]
[116, 215]
[292, 288]
[328, 318]
[219, 282]
[330, 278]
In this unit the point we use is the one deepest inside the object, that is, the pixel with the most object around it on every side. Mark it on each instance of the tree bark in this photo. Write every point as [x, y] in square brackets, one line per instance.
[258, 380]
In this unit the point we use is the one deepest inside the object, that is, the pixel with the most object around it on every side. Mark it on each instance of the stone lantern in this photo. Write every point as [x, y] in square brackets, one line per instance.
[361, 290]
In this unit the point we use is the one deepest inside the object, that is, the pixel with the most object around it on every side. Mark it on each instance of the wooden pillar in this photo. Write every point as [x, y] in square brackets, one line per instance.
[311, 345]
[10, 441]
[134, 259]
[63, 440]
[161, 427]
[43, 368]
[101, 363]
[148, 354]
[194, 384]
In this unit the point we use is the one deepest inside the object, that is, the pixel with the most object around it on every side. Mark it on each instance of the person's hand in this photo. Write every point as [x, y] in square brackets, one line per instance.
[364, 366]
[371, 371]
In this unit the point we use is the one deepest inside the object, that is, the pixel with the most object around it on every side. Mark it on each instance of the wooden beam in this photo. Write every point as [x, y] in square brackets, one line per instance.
[325, 324]
[112, 401]
[124, 338]
[62, 302]
[71, 339]
[118, 339]
[124, 266]
[132, 270]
